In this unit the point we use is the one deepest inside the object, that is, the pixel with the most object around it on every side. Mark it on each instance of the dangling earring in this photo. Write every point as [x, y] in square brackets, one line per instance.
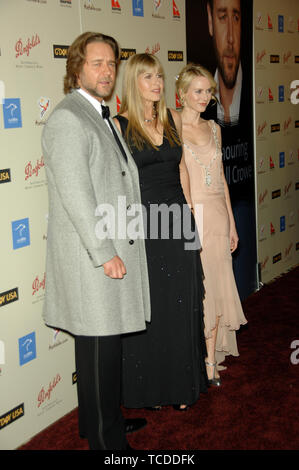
[182, 101]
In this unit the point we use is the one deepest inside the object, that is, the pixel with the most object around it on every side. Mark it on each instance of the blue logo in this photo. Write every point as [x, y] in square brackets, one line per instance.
[137, 6]
[27, 348]
[20, 233]
[12, 113]
[281, 93]
[281, 159]
[280, 23]
[282, 223]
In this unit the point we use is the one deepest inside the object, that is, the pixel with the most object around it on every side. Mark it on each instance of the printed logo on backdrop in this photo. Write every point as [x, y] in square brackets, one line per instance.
[115, 6]
[47, 396]
[24, 47]
[10, 416]
[262, 233]
[35, 174]
[286, 190]
[66, 3]
[294, 88]
[38, 288]
[288, 252]
[118, 104]
[57, 338]
[5, 176]
[282, 223]
[291, 219]
[20, 233]
[291, 159]
[137, 7]
[269, 23]
[157, 6]
[9, 296]
[43, 106]
[261, 59]
[276, 258]
[274, 58]
[175, 56]
[154, 49]
[125, 54]
[281, 93]
[286, 59]
[24, 50]
[263, 199]
[280, 23]
[260, 95]
[38, 1]
[175, 11]
[261, 131]
[261, 168]
[291, 24]
[27, 348]
[12, 113]
[281, 159]
[60, 52]
[259, 21]
[264, 264]
[287, 126]
[90, 5]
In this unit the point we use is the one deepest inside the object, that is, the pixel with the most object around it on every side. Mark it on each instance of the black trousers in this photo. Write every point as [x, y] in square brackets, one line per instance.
[98, 366]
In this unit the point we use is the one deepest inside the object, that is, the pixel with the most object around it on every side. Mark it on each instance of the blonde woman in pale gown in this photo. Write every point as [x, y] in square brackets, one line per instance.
[209, 198]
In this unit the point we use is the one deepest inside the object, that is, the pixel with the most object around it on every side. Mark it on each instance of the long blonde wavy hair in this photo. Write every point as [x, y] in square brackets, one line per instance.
[132, 102]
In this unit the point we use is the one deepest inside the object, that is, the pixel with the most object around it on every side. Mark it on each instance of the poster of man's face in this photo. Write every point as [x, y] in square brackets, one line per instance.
[224, 18]
[224, 24]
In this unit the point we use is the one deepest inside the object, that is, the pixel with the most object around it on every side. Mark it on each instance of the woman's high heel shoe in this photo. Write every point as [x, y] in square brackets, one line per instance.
[179, 407]
[214, 381]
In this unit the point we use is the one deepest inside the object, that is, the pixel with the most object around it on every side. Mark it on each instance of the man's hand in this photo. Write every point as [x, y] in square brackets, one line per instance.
[115, 268]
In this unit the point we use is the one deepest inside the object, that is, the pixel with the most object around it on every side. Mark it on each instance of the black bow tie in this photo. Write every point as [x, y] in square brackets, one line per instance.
[105, 112]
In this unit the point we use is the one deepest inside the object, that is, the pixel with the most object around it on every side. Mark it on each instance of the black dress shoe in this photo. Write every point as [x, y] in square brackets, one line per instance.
[133, 425]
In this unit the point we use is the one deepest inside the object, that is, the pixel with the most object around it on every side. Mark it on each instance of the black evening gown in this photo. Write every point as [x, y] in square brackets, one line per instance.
[165, 364]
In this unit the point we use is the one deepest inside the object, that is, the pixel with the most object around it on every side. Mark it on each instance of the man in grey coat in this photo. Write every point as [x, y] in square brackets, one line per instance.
[97, 281]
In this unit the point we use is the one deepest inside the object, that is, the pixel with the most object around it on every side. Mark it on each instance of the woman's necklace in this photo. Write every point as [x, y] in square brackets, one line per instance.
[207, 168]
[152, 119]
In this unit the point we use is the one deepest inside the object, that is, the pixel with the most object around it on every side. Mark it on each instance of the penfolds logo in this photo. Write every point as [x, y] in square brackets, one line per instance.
[286, 57]
[287, 123]
[156, 47]
[33, 170]
[261, 128]
[25, 49]
[37, 284]
[260, 56]
[264, 263]
[46, 394]
[262, 196]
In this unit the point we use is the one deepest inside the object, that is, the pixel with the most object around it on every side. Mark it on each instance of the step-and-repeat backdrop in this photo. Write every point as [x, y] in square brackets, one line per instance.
[276, 35]
[37, 369]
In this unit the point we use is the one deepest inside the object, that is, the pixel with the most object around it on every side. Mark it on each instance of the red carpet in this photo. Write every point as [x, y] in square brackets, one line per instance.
[256, 408]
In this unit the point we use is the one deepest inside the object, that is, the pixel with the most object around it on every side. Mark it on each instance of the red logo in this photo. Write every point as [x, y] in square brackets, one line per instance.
[264, 262]
[21, 49]
[270, 26]
[271, 164]
[262, 196]
[261, 128]
[31, 170]
[155, 49]
[260, 55]
[118, 103]
[45, 395]
[175, 10]
[287, 123]
[115, 5]
[270, 95]
[286, 57]
[272, 229]
[37, 284]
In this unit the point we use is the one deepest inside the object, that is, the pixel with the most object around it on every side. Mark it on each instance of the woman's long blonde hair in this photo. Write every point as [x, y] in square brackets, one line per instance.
[132, 102]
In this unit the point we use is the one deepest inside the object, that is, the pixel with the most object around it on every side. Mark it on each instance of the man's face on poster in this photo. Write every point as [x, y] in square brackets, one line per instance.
[225, 28]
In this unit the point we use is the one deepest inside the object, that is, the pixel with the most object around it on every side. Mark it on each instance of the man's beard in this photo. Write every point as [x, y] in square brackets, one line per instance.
[229, 77]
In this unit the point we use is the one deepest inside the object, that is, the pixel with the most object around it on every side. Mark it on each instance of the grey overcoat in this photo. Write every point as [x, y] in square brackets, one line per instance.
[85, 169]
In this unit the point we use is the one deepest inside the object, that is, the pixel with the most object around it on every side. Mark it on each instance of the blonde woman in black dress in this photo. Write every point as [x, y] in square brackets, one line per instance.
[165, 365]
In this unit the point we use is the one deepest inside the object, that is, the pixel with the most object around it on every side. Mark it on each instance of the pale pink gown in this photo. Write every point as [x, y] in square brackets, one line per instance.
[204, 165]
